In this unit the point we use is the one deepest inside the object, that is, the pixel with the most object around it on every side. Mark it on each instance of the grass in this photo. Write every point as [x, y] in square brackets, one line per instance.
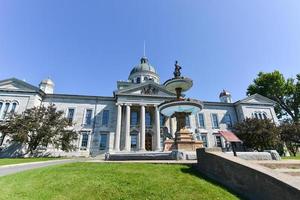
[10, 161]
[297, 157]
[111, 181]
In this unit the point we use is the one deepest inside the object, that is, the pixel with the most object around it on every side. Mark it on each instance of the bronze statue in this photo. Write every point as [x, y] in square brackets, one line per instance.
[177, 72]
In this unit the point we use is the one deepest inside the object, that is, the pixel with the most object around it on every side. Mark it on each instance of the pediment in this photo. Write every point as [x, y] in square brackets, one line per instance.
[256, 99]
[147, 89]
[17, 85]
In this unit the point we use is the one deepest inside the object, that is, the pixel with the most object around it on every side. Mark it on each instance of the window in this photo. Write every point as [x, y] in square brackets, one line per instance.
[215, 121]
[138, 80]
[5, 110]
[265, 116]
[13, 108]
[70, 116]
[148, 119]
[133, 142]
[103, 142]
[1, 106]
[218, 141]
[105, 117]
[84, 140]
[162, 119]
[187, 121]
[227, 119]
[201, 120]
[259, 115]
[134, 119]
[88, 116]
[204, 139]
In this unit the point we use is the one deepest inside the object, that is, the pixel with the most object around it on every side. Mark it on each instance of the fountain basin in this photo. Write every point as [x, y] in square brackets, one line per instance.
[183, 83]
[189, 106]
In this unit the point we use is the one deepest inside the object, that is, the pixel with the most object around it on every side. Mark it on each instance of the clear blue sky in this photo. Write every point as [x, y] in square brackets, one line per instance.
[86, 46]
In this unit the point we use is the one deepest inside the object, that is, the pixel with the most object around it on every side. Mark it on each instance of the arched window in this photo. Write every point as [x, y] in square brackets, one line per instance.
[256, 116]
[138, 80]
[265, 116]
[260, 116]
[13, 108]
[5, 110]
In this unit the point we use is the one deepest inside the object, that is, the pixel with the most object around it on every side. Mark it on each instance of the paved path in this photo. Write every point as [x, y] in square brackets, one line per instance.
[11, 169]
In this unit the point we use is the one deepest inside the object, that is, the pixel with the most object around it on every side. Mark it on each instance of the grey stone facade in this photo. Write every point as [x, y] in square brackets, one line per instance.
[129, 120]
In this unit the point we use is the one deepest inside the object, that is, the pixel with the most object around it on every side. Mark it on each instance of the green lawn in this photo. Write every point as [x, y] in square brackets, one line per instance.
[292, 157]
[10, 161]
[111, 181]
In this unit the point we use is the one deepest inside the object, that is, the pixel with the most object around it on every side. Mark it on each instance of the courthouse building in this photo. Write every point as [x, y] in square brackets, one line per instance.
[130, 120]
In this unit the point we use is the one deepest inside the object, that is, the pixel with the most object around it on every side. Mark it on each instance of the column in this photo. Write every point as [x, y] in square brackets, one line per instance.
[157, 129]
[142, 128]
[172, 127]
[118, 128]
[127, 129]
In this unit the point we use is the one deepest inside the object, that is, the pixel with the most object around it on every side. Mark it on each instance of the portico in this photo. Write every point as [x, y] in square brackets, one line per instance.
[138, 125]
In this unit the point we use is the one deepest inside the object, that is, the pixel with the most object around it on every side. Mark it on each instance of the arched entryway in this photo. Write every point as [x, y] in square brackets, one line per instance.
[148, 142]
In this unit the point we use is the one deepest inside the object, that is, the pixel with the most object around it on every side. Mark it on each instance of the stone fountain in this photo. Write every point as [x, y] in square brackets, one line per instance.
[183, 146]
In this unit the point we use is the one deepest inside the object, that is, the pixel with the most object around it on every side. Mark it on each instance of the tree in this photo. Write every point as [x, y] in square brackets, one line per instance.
[258, 134]
[290, 134]
[285, 92]
[39, 127]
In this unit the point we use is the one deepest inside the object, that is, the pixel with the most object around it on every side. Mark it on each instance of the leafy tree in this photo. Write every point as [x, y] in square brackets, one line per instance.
[290, 134]
[258, 134]
[285, 92]
[39, 127]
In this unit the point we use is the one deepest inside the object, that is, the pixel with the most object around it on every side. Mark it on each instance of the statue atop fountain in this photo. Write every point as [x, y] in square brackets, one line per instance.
[177, 73]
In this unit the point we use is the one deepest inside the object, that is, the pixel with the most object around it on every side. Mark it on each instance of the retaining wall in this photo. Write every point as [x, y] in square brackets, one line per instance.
[246, 178]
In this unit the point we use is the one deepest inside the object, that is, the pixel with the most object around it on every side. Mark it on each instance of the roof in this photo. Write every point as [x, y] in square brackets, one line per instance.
[229, 136]
[144, 66]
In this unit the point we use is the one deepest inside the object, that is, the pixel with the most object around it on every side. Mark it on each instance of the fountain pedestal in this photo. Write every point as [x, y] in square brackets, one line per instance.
[184, 141]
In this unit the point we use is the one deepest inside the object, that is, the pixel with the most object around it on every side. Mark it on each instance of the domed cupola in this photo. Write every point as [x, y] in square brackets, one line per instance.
[143, 72]
[225, 97]
[47, 85]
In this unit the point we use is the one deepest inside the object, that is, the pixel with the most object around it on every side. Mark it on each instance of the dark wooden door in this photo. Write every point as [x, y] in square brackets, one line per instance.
[148, 142]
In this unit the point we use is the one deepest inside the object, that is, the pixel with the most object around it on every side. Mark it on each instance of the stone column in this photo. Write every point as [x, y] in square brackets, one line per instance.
[173, 128]
[142, 128]
[127, 129]
[118, 129]
[157, 129]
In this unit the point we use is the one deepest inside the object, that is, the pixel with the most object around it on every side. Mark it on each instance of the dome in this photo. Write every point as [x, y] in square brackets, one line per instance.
[224, 93]
[144, 66]
[47, 81]
[143, 72]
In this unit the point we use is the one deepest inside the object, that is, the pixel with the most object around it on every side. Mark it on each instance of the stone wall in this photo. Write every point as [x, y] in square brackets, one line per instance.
[247, 179]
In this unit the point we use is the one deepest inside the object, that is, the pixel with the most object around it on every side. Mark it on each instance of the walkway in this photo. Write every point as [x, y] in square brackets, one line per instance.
[11, 169]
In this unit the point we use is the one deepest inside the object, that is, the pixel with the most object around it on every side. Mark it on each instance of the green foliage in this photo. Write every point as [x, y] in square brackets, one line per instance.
[290, 134]
[258, 134]
[285, 92]
[39, 127]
